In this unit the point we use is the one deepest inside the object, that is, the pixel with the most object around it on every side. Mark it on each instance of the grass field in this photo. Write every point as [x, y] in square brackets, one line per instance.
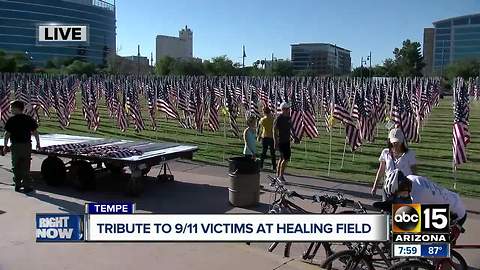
[310, 158]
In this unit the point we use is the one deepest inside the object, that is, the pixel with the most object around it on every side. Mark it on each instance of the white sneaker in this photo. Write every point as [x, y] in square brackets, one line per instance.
[281, 179]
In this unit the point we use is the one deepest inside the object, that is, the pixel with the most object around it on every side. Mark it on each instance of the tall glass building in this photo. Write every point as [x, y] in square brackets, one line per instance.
[320, 58]
[18, 33]
[451, 40]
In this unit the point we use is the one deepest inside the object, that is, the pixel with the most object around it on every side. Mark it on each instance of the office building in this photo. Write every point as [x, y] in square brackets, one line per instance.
[451, 40]
[180, 47]
[142, 60]
[18, 33]
[320, 58]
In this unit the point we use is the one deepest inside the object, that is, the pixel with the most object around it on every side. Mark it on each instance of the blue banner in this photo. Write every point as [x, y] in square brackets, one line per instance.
[59, 227]
[436, 250]
[110, 208]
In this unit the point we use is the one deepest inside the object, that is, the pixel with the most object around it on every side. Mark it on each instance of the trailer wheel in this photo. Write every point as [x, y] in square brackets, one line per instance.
[146, 170]
[53, 171]
[114, 168]
[82, 175]
[135, 185]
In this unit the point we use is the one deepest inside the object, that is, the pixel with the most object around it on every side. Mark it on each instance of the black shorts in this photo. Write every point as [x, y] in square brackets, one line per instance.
[285, 151]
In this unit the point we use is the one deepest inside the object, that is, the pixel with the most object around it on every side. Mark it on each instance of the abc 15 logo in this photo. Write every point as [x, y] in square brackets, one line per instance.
[416, 218]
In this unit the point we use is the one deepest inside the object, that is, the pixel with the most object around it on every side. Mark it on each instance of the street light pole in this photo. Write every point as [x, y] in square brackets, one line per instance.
[361, 67]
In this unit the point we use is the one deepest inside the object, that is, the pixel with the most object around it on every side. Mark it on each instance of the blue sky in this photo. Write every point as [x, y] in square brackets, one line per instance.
[221, 27]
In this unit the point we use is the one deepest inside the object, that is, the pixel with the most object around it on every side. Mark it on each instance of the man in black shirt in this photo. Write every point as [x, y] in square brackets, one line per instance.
[282, 134]
[19, 129]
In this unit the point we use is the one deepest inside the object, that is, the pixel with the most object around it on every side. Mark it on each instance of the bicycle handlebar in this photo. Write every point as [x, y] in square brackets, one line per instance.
[333, 200]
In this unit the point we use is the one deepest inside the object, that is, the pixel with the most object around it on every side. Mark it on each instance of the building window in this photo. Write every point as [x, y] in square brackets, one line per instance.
[475, 20]
[473, 49]
[442, 31]
[442, 44]
[467, 36]
[461, 43]
[442, 37]
[461, 21]
[442, 24]
[467, 30]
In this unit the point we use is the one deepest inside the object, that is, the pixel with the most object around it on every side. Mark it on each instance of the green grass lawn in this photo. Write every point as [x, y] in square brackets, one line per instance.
[310, 158]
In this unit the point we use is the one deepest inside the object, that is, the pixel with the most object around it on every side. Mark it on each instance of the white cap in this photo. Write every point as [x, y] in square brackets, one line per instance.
[396, 135]
[284, 105]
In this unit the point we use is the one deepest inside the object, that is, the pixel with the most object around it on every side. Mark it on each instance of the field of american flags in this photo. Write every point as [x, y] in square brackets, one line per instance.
[310, 157]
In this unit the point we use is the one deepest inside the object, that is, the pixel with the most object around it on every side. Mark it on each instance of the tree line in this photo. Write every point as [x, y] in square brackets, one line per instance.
[407, 61]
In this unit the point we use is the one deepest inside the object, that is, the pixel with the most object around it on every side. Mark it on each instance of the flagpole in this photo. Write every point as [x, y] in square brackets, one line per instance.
[331, 129]
[351, 109]
[454, 167]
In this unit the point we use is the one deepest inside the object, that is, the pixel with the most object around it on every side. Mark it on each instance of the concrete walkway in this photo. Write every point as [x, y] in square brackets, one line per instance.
[198, 188]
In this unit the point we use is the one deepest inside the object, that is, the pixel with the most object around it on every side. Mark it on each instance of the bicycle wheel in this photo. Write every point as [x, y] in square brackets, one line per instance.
[412, 265]
[347, 260]
[328, 247]
[457, 261]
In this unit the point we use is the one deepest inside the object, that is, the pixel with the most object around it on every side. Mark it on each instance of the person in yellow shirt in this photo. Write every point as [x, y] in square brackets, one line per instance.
[265, 128]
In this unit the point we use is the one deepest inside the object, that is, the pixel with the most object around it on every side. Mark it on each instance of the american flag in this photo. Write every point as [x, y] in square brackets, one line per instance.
[340, 111]
[163, 103]
[353, 136]
[367, 119]
[309, 123]
[326, 106]
[476, 88]
[71, 94]
[232, 112]
[121, 116]
[151, 95]
[200, 108]
[213, 120]
[265, 95]
[404, 117]
[133, 107]
[254, 104]
[461, 134]
[4, 101]
[89, 102]
[59, 102]
[352, 121]
[44, 97]
[296, 114]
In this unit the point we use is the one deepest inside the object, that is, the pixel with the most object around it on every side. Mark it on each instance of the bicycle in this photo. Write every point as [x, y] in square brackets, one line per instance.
[362, 255]
[329, 205]
[282, 204]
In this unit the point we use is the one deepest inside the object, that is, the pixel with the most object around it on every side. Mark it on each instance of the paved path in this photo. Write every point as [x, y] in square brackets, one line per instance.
[198, 188]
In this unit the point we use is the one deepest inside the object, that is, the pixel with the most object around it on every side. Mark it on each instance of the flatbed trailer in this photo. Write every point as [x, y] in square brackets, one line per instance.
[80, 168]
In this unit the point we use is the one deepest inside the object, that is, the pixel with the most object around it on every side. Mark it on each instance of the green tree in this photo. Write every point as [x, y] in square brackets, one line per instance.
[23, 64]
[390, 68]
[220, 65]
[188, 67]
[254, 71]
[282, 68]
[361, 72]
[165, 65]
[465, 68]
[7, 64]
[79, 67]
[409, 59]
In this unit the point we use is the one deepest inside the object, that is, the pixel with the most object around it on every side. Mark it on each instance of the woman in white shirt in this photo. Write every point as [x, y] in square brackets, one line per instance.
[396, 156]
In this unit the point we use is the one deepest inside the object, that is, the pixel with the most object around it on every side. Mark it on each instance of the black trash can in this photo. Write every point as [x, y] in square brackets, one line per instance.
[244, 189]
